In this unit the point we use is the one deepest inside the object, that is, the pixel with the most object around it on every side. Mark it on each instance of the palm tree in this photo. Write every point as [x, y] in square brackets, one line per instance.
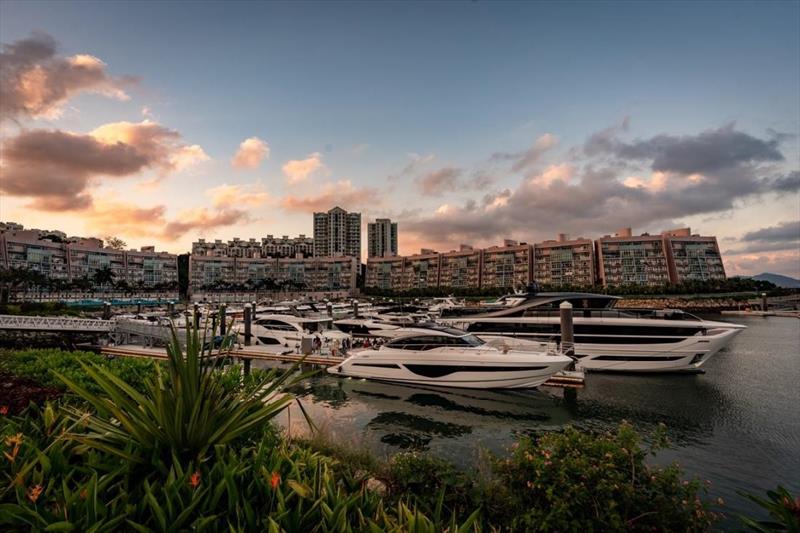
[103, 276]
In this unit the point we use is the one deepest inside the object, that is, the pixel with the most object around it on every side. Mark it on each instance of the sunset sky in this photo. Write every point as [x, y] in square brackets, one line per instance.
[466, 122]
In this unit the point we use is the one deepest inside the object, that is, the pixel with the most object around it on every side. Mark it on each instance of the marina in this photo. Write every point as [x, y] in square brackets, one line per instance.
[735, 425]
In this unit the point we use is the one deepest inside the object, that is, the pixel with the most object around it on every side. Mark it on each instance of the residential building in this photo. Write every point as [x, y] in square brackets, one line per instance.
[626, 259]
[506, 266]
[385, 272]
[564, 262]
[337, 233]
[208, 271]
[421, 271]
[285, 246]
[311, 273]
[461, 268]
[692, 257]
[382, 238]
[149, 268]
[57, 256]
[268, 246]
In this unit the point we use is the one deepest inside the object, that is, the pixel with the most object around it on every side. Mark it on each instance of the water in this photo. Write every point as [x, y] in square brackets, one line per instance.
[737, 425]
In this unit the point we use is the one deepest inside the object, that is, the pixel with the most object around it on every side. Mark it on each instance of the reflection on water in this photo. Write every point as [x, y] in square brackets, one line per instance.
[737, 425]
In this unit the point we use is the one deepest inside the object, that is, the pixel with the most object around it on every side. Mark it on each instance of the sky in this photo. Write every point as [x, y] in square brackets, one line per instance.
[465, 122]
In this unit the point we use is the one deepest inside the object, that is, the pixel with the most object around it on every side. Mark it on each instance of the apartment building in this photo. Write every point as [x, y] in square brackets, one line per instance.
[420, 271]
[508, 265]
[337, 233]
[564, 262]
[385, 272]
[148, 268]
[460, 268]
[381, 238]
[268, 246]
[692, 257]
[312, 273]
[285, 246]
[57, 256]
[674, 256]
[625, 259]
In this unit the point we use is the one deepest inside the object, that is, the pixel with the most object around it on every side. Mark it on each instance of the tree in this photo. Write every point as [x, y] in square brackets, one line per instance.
[115, 243]
[103, 276]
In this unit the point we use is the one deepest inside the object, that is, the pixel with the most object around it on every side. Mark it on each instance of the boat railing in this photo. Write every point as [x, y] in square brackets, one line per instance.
[656, 314]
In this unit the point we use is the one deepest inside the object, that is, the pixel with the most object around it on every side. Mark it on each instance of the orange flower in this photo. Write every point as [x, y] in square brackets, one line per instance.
[83, 494]
[275, 480]
[14, 441]
[34, 493]
[194, 480]
[3, 410]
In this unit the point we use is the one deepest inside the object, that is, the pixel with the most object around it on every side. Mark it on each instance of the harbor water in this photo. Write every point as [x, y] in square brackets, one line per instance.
[737, 425]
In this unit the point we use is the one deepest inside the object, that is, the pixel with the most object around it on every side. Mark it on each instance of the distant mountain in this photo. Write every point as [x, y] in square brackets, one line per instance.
[784, 282]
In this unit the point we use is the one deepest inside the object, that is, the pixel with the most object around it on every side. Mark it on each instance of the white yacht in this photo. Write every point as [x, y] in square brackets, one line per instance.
[368, 326]
[446, 357]
[288, 330]
[609, 339]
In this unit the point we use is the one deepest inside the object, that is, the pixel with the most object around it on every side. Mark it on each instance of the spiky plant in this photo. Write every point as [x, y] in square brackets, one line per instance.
[185, 410]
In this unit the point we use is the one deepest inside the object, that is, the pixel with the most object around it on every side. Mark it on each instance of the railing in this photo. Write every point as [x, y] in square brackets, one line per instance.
[40, 323]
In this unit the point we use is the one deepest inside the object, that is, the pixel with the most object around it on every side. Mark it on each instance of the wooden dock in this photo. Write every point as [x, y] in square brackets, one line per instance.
[572, 380]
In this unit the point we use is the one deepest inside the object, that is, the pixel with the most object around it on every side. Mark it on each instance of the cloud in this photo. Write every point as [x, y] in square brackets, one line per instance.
[529, 157]
[202, 219]
[785, 262]
[416, 162]
[709, 151]
[298, 170]
[440, 181]
[598, 195]
[35, 82]
[342, 193]
[250, 195]
[784, 231]
[54, 168]
[250, 154]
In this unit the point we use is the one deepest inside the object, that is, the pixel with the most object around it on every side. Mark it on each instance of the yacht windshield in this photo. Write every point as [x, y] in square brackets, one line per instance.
[429, 342]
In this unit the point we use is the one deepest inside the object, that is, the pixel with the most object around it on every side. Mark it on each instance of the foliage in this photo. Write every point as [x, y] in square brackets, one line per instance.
[43, 365]
[578, 481]
[783, 509]
[263, 485]
[38, 309]
[184, 411]
[432, 483]
[115, 243]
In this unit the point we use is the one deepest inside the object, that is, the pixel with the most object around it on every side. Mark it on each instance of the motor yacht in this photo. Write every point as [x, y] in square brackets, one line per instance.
[447, 357]
[606, 338]
[288, 330]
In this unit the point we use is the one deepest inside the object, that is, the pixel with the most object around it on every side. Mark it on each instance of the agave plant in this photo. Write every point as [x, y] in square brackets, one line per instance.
[185, 408]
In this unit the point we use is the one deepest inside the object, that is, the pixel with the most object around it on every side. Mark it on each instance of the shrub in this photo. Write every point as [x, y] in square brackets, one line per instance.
[184, 411]
[52, 484]
[580, 481]
[783, 509]
[42, 365]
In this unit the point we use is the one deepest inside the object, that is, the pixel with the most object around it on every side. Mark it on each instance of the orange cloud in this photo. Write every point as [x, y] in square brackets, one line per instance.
[339, 193]
[130, 220]
[298, 170]
[202, 219]
[54, 168]
[251, 195]
[35, 82]
[250, 154]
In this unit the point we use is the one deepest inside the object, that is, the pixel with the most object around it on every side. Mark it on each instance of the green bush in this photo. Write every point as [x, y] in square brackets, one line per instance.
[43, 364]
[51, 482]
[575, 480]
[783, 509]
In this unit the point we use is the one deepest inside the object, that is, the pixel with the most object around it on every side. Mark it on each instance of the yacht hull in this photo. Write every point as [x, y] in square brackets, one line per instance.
[513, 372]
[687, 355]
